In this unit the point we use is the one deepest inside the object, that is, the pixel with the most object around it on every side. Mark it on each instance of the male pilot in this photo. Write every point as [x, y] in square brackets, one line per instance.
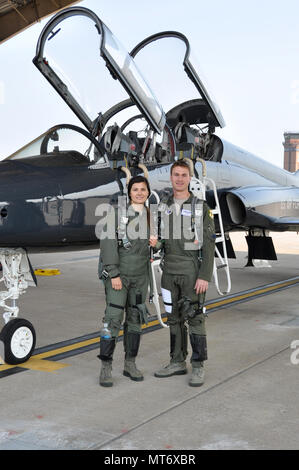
[187, 266]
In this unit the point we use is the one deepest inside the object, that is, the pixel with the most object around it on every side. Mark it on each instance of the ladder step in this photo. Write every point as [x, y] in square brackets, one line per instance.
[200, 187]
[222, 266]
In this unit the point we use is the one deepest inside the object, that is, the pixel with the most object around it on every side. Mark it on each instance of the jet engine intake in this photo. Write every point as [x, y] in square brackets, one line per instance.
[236, 209]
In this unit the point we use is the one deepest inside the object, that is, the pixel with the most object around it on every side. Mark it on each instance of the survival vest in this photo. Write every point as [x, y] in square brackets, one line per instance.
[196, 219]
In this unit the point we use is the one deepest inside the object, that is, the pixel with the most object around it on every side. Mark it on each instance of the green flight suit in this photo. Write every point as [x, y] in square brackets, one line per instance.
[181, 268]
[131, 263]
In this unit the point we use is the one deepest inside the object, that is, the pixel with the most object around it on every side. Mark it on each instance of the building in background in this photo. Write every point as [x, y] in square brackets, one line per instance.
[291, 151]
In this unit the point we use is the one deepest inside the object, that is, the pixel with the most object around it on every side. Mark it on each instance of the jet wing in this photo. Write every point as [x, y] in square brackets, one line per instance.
[120, 64]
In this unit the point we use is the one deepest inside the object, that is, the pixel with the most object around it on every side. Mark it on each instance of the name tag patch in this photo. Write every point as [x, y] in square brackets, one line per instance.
[186, 212]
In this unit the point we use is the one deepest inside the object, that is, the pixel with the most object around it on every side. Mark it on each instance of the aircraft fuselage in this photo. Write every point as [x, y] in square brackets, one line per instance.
[48, 205]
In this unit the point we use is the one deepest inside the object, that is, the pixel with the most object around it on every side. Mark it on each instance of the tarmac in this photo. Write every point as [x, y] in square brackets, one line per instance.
[249, 400]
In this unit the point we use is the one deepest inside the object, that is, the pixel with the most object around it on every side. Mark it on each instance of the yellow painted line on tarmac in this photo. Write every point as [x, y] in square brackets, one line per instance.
[237, 298]
[39, 361]
[151, 323]
[34, 363]
[68, 348]
[251, 294]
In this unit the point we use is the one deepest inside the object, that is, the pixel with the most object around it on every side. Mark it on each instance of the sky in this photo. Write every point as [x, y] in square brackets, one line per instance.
[249, 52]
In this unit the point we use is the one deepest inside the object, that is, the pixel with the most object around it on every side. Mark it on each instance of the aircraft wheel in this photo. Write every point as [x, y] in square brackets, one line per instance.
[18, 337]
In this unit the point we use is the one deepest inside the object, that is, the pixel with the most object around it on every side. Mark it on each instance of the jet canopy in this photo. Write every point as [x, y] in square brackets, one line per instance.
[58, 49]
[167, 50]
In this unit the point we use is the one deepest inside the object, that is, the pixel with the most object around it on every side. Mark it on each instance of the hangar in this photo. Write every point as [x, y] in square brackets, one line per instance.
[17, 15]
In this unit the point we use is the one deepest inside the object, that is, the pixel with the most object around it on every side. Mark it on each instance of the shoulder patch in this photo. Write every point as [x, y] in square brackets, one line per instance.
[211, 214]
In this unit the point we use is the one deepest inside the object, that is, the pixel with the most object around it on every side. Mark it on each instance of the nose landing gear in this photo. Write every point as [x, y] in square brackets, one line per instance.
[17, 338]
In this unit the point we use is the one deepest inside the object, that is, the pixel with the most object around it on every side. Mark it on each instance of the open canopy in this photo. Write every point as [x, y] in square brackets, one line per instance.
[207, 110]
[119, 63]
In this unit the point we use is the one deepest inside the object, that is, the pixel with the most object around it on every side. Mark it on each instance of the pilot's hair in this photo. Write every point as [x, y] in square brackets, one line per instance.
[180, 163]
[138, 179]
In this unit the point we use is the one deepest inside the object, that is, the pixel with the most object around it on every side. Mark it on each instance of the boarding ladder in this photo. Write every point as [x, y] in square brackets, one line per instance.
[156, 272]
[198, 188]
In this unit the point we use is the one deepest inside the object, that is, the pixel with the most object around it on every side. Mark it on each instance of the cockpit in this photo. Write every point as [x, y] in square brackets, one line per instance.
[62, 145]
[132, 130]
[195, 117]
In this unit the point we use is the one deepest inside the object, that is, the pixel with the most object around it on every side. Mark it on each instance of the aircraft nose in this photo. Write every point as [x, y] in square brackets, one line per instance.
[27, 215]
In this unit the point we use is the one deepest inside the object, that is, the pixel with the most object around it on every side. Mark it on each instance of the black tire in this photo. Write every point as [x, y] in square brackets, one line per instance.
[14, 332]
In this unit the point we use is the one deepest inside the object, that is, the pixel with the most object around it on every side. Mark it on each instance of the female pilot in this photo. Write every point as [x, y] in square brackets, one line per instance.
[125, 263]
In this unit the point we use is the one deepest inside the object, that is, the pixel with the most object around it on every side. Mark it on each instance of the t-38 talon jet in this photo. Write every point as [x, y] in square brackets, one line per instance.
[52, 187]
